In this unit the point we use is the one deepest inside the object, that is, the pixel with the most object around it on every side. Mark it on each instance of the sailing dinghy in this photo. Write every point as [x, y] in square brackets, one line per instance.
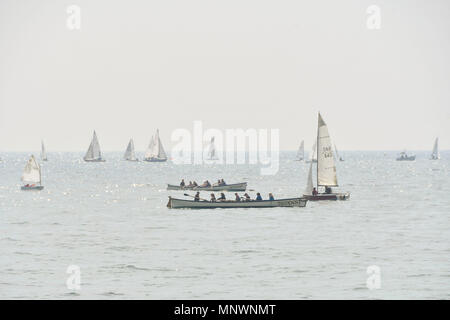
[155, 151]
[129, 153]
[326, 169]
[313, 153]
[43, 152]
[338, 157]
[94, 154]
[212, 151]
[435, 154]
[301, 152]
[32, 175]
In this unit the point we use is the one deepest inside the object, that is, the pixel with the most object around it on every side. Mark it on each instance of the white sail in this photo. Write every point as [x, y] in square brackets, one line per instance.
[161, 153]
[212, 150]
[313, 153]
[32, 171]
[326, 169]
[43, 152]
[301, 151]
[93, 152]
[150, 150]
[309, 182]
[435, 154]
[129, 153]
[155, 149]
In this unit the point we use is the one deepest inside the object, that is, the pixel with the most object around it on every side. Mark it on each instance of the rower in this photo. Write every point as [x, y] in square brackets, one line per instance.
[238, 198]
[194, 184]
[314, 192]
[197, 196]
[190, 184]
[247, 197]
[218, 182]
[327, 190]
[182, 184]
[222, 197]
[271, 198]
[222, 182]
[258, 197]
[213, 197]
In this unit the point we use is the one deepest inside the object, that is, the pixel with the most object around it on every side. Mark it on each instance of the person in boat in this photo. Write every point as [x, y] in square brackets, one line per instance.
[247, 197]
[222, 182]
[197, 196]
[182, 184]
[222, 197]
[206, 184]
[258, 197]
[237, 197]
[194, 184]
[327, 190]
[213, 197]
[190, 185]
[271, 198]
[314, 192]
[218, 182]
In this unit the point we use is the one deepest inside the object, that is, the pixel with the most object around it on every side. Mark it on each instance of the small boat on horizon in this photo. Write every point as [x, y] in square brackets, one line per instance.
[312, 158]
[326, 169]
[301, 152]
[129, 152]
[155, 151]
[32, 176]
[94, 154]
[211, 153]
[43, 152]
[435, 153]
[338, 156]
[405, 157]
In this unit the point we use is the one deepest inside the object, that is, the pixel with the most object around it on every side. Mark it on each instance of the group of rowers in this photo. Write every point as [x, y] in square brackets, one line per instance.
[237, 198]
[205, 184]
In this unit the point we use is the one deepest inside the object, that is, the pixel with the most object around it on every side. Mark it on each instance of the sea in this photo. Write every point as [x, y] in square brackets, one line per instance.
[103, 231]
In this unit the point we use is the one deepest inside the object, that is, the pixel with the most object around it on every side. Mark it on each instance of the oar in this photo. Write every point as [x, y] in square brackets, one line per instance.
[188, 195]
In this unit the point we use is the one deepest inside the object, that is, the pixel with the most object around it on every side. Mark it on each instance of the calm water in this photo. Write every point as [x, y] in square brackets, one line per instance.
[111, 220]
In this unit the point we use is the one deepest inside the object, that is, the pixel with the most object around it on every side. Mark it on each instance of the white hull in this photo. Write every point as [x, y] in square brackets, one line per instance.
[190, 204]
[228, 187]
[94, 160]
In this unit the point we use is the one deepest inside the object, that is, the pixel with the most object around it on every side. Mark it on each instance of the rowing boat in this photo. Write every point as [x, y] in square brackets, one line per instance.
[175, 203]
[228, 187]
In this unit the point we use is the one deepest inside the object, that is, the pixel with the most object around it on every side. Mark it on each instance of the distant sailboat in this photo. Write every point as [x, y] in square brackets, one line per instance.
[155, 151]
[338, 157]
[32, 175]
[129, 153]
[326, 168]
[212, 151]
[43, 152]
[301, 152]
[94, 154]
[435, 154]
[313, 154]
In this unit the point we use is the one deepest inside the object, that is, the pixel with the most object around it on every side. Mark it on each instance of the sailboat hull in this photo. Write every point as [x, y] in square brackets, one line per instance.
[33, 188]
[327, 196]
[94, 160]
[155, 160]
[190, 204]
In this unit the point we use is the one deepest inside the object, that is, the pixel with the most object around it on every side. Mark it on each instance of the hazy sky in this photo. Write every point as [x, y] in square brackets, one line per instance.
[138, 65]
